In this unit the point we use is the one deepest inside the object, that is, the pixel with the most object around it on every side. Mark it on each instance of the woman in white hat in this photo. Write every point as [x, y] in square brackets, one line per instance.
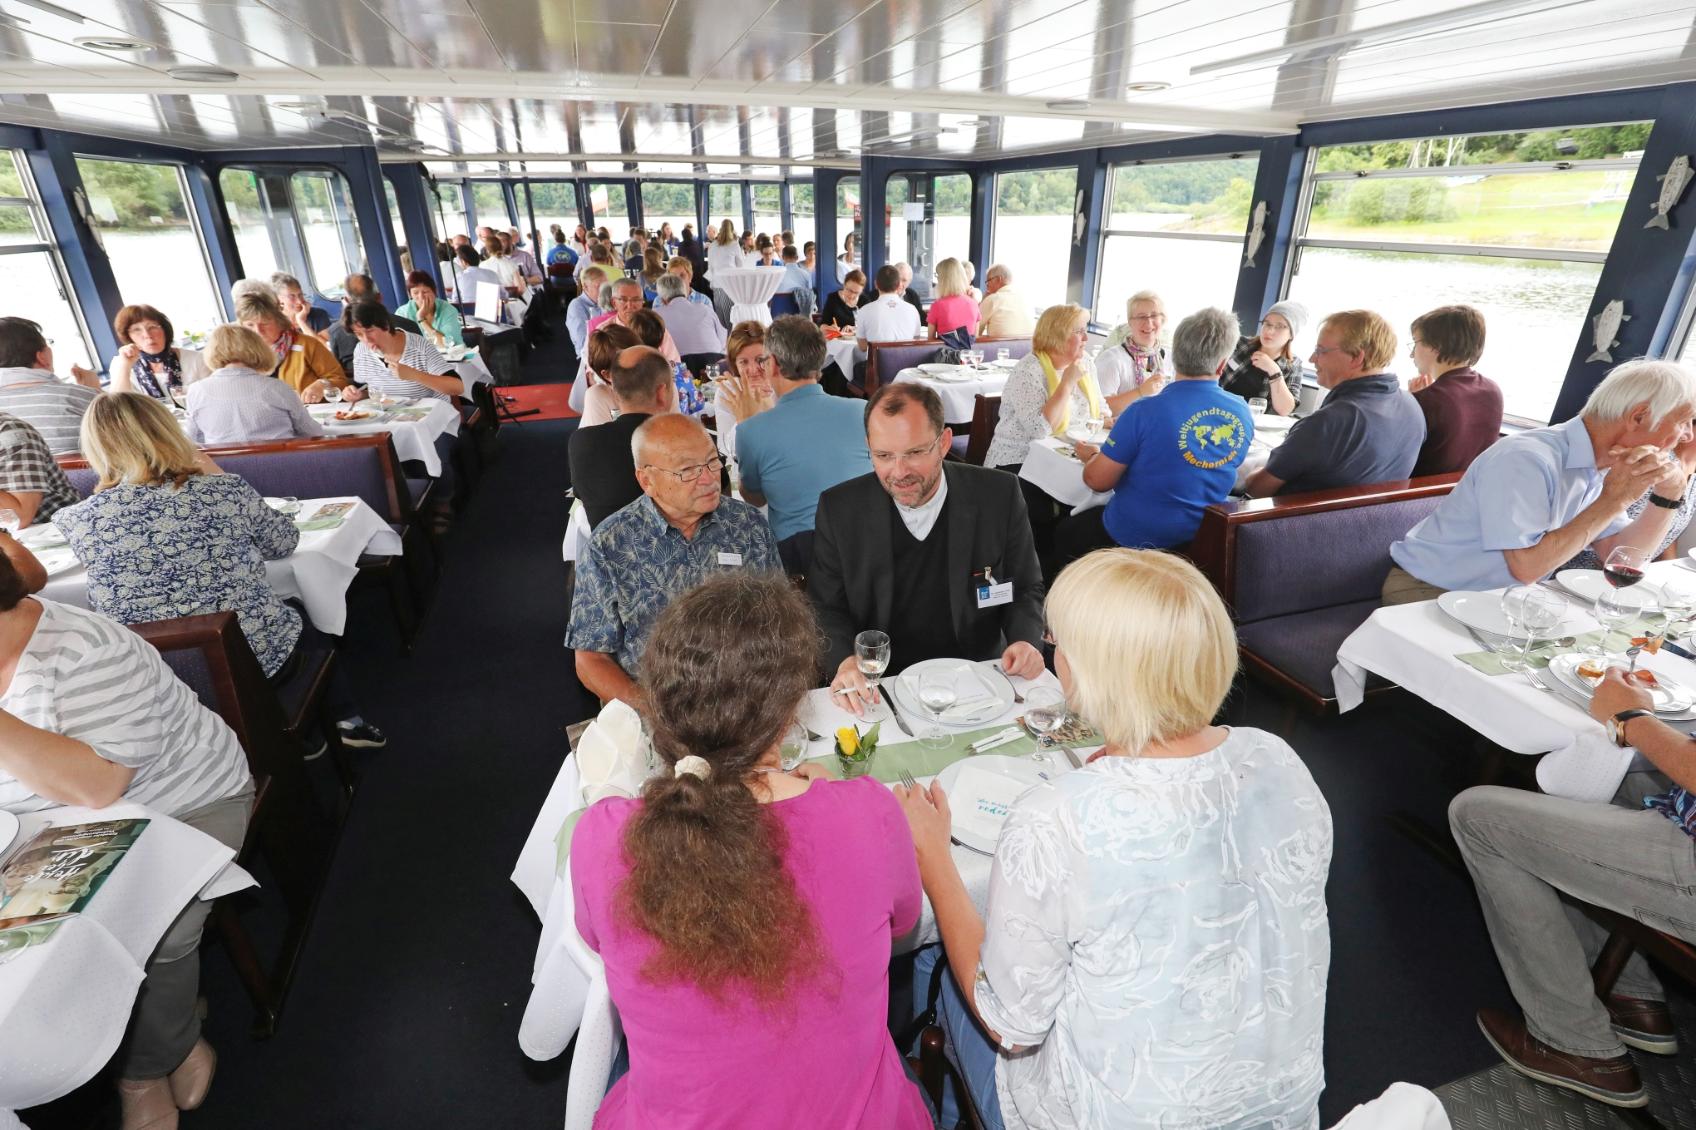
[1266, 364]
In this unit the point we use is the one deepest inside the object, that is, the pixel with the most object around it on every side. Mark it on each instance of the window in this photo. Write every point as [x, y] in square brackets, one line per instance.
[927, 219]
[848, 222]
[724, 202]
[1032, 230]
[149, 235]
[1175, 227]
[801, 215]
[951, 220]
[668, 202]
[1516, 224]
[611, 209]
[253, 223]
[554, 202]
[489, 201]
[403, 250]
[768, 208]
[897, 191]
[32, 279]
[450, 209]
[324, 210]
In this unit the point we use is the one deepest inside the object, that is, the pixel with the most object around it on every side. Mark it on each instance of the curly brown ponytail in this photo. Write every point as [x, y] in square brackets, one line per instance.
[724, 671]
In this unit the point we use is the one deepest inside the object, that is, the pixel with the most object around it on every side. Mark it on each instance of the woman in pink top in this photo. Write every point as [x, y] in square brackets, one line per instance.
[953, 307]
[745, 915]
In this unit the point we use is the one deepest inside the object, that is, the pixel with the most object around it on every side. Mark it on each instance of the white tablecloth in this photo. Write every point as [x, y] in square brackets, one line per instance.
[562, 973]
[844, 351]
[959, 398]
[750, 290]
[65, 1002]
[414, 439]
[472, 371]
[577, 532]
[1060, 476]
[1269, 432]
[317, 573]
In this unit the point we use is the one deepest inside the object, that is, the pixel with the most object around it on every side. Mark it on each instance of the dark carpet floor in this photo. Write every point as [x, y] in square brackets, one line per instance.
[406, 1006]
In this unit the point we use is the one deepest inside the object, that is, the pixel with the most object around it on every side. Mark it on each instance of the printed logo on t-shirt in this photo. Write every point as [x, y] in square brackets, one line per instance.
[1211, 438]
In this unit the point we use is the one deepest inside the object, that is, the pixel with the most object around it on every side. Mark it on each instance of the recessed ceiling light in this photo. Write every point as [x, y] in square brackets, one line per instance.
[1068, 104]
[110, 43]
[1148, 87]
[202, 74]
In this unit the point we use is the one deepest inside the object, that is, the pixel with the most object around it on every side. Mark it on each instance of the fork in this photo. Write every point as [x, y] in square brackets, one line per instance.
[1017, 697]
[907, 780]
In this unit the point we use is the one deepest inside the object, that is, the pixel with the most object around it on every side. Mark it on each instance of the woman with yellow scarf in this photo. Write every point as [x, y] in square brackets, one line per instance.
[1050, 389]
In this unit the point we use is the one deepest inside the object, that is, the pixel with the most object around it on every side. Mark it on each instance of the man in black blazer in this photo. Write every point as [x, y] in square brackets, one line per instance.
[936, 554]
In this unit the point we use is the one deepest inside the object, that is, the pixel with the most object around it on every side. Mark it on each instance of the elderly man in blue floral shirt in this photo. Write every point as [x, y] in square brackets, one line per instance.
[679, 533]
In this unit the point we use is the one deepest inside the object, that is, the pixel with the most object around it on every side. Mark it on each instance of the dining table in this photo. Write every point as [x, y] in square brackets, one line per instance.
[66, 995]
[750, 289]
[415, 425]
[959, 386]
[845, 351]
[318, 572]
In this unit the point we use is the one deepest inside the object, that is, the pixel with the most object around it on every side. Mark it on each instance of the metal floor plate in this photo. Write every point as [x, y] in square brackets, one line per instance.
[1503, 1099]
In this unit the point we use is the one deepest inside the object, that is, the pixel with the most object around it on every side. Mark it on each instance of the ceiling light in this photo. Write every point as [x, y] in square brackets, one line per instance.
[202, 74]
[110, 43]
[54, 10]
[1067, 104]
[1148, 87]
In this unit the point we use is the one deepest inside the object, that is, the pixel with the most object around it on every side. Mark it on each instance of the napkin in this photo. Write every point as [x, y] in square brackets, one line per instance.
[983, 800]
[966, 710]
[612, 757]
[1590, 768]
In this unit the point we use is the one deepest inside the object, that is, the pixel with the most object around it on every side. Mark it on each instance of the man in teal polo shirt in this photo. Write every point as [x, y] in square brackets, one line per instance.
[803, 445]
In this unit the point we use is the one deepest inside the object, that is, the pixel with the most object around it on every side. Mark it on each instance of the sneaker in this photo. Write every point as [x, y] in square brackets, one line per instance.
[361, 735]
[313, 746]
[1643, 1024]
[1613, 1081]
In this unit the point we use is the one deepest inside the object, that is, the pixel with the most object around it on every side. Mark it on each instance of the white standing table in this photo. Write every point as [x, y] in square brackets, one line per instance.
[750, 290]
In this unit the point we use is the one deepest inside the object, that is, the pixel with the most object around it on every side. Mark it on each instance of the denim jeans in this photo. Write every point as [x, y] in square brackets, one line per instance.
[970, 1050]
[1533, 855]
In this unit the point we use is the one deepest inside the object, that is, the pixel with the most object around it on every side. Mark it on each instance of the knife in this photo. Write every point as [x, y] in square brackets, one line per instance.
[889, 697]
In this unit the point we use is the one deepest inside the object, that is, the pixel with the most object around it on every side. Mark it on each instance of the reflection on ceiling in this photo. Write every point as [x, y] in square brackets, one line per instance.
[595, 84]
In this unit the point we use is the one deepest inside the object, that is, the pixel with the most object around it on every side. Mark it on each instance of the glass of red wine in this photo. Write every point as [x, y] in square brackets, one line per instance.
[1624, 567]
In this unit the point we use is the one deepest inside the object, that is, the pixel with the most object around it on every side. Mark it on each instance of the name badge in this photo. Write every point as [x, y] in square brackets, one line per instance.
[297, 348]
[729, 558]
[994, 596]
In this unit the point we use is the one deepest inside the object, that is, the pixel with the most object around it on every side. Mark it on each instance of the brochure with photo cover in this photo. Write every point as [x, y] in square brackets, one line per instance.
[58, 872]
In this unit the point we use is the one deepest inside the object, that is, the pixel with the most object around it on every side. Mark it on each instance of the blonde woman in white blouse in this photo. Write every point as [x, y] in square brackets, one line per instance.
[1155, 946]
[1050, 388]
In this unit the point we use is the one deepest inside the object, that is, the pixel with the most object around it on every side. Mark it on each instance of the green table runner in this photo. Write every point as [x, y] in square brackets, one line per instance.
[891, 759]
[1490, 662]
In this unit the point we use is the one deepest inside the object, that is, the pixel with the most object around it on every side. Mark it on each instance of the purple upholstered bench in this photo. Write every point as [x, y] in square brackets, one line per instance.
[1300, 572]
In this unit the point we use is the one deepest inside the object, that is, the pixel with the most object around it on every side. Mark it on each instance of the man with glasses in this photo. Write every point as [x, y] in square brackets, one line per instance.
[938, 555]
[1367, 430]
[682, 531]
[627, 299]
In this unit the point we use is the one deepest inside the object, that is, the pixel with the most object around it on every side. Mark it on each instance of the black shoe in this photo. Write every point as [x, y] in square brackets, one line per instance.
[361, 736]
[313, 747]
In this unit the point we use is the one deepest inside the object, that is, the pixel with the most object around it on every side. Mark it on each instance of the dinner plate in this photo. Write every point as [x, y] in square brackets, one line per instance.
[1668, 695]
[980, 699]
[57, 559]
[979, 811]
[1588, 584]
[1483, 611]
[939, 369]
[1268, 422]
[8, 830]
[44, 536]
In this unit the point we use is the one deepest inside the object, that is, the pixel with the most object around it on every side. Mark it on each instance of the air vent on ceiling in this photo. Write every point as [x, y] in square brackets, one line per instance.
[110, 43]
[201, 74]
[1148, 87]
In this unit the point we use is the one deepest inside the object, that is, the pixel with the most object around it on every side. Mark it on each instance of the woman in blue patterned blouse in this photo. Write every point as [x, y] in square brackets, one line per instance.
[167, 534]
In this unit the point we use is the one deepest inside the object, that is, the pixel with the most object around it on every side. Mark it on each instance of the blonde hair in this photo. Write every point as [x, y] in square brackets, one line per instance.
[1149, 643]
[951, 278]
[726, 233]
[130, 438]
[254, 307]
[1144, 296]
[1365, 333]
[1054, 325]
[234, 344]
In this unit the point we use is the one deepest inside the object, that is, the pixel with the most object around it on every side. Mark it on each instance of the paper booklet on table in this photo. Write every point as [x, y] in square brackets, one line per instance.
[982, 800]
[58, 871]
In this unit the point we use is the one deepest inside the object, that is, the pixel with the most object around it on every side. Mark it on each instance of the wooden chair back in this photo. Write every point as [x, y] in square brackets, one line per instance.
[986, 413]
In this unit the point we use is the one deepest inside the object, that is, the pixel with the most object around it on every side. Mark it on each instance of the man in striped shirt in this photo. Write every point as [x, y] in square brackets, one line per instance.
[390, 361]
[30, 391]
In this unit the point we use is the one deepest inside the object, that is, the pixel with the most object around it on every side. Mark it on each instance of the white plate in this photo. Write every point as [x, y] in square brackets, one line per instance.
[974, 833]
[1483, 611]
[56, 560]
[971, 685]
[1588, 584]
[1268, 422]
[1669, 695]
[8, 830]
[44, 536]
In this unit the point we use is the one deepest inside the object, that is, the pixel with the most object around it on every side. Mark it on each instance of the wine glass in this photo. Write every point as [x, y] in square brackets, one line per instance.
[937, 693]
[792, 750]
[1616, 610]
[1045, 712]
[1624, 567]
[1257, 405]
[1678, 601]
[871, 655]
[1531, 609]
[1003, 354]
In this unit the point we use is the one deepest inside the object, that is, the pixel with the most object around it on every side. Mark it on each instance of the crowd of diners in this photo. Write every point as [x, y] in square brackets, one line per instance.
[1154, 948]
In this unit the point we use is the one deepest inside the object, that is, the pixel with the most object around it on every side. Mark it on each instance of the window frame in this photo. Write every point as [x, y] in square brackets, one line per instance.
[47, 241]
[310, 278]
[195, 221]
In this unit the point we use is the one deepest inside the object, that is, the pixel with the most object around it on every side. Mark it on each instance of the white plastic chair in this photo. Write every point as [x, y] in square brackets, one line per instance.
[598, 1037]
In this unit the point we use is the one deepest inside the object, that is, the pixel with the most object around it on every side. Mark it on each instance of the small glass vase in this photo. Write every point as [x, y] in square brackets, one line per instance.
[857, 765]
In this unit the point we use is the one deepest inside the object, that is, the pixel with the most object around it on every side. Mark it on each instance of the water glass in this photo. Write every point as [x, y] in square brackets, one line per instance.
[1257, 405]
[1003, 354]
[1531, 609]
[1678, 601]
[9, 521]
[332, 395]
[1045, 712]
[936, 694]
[871, 655]
[792, 750]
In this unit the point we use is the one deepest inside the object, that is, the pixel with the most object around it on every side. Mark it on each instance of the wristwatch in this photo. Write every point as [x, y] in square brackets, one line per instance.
[1665, 503]
[1616, 725]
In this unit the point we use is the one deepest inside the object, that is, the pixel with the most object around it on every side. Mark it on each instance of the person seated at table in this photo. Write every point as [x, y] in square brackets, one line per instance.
[528, 269]
[651, 331]
[1462, 407]
[438, 321]
[1051, 387]
[1160, 909]
[765, 255]
[842, 305]
[903, 288]
[1537, 497]
[801, 445]
[471, 274]
[561, 251]
[905, 550]
[717, 899]
[695, 329]
[585, 308]
[888, 317]
[810, 257]
[684, 268]
[603, 470]
[600, 402]
[667, 239]
[682, 531]
[147, 362]
[634, 249]
[1536, 859]
[1169, 457]
[92, 716]
[1264, 366]
[747, 390]
[1685, 453]
[953, 308]
[240, 402]
[653, 268]
[1135, 361]
[342, 339]
[31, 392]
[1004, 311]
[798, 284]
[303, 315]
[748, 248]
[627, 302]
[391, 361]
[498, 259]
[32, 484]
[1368, 429]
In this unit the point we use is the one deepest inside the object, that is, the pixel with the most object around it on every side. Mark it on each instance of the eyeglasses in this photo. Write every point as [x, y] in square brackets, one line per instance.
[885, 458]
[1148, 317]
[1322, 350]
[1274, 324]
[691, 473]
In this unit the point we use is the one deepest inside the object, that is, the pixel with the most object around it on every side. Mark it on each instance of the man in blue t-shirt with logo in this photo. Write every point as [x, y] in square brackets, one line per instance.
[1169, 456]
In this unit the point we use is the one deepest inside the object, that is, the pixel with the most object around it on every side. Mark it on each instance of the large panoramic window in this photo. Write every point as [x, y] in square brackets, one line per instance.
[668, 202]
[553, 202]
[768, 207]
[32, 279]
[148, 232]
[450, 209]
[490, 201]
[724, 202]
[1032, 230]
[323, 208]
[1176, 228]
[801, 214]
[1515, 224]
[253, 221]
